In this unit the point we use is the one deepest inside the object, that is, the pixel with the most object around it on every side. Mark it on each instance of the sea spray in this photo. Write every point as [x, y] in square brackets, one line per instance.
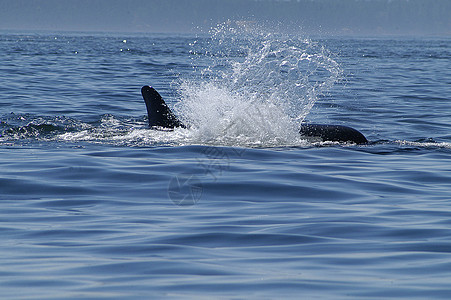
[219, 116]
[251, 86]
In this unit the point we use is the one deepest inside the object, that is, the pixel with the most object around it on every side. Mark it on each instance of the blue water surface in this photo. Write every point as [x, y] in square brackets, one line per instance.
[95, 205]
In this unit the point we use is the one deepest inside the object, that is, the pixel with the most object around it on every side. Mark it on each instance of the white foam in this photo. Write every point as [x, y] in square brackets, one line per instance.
[425, 144]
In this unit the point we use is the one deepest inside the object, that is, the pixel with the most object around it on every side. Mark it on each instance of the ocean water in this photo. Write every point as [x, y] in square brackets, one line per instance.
[95, 205]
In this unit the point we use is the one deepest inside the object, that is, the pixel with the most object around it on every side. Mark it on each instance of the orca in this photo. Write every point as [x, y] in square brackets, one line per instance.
[161, 116]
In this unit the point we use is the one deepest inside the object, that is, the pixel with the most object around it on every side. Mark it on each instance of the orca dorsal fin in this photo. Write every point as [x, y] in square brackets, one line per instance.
[158, 112]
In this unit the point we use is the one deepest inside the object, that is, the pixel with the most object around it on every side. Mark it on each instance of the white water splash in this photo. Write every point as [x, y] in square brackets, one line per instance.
[255, 87]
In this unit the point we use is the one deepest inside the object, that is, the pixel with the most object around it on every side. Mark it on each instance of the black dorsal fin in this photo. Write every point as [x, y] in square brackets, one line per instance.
[158, 112]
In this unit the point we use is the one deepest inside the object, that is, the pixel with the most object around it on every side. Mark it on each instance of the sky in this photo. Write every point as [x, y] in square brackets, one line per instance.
[323, 17]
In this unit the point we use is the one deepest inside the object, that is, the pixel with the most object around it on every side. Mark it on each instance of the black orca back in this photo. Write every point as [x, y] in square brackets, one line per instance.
[333, 133]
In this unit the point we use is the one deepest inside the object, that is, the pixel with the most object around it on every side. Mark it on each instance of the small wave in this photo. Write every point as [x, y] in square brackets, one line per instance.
[16, 127]
[31, 130]
[424, 144]
[45, 128]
